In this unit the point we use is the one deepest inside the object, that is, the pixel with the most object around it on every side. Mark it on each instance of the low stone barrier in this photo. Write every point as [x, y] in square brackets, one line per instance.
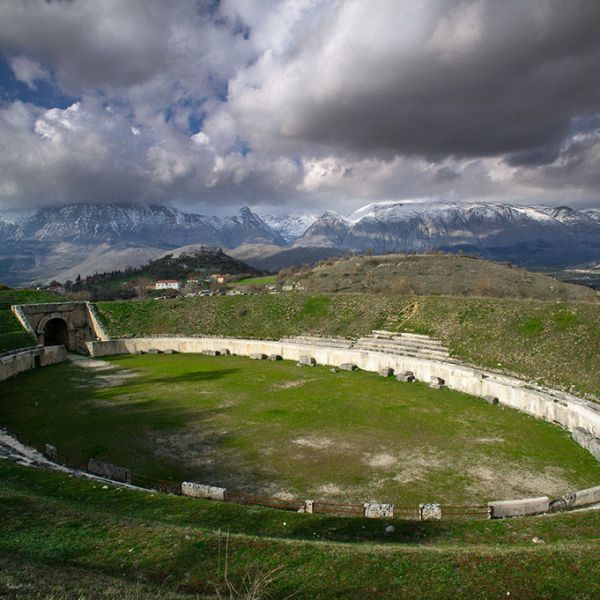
[377, 510]
[199, 490]
[587, 440]
[23, 360]
[582, 497]
[561, 408]
[114, 472]
[519, 508]
[348, 367]
[579, 416]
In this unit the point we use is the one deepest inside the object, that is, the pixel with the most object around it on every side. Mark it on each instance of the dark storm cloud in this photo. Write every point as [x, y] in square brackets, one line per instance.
[327, 103]
[477, 78]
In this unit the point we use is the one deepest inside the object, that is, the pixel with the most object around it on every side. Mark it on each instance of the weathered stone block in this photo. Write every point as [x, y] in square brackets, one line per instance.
[406, 377]
[275, 357]
[258, 356]
[225, 352]
[200, 490]
[376, 510]
[491, 399]
[307, 507]
[519, 508]
[437, 383]
[430, 511]
[582, 497]
[306, 361]
[154, 351]
[587, 440]
[386, 372]
[348, 367]
[169, 351]
[51, 452]
[109, 471]
[211, 352]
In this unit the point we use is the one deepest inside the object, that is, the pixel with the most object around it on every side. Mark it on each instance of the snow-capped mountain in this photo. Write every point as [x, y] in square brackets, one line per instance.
[528, 235]
[59, 240]
[592, 212]
[289, 226]
[248, 228]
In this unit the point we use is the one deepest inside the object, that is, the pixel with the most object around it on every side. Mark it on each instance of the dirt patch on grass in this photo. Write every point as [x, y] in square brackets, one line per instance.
[492, 440]
[502, 481]
[114, 380]
[382, 460]
[91, 364]
[417, 465]
[330, 489]
[316, 443]
[286, 385]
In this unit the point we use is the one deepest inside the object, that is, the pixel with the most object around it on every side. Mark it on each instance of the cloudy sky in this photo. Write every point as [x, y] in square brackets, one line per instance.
[299, 104]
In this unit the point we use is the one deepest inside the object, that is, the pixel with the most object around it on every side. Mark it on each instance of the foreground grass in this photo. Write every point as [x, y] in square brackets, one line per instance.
[52, 523]
[555, 343]
[271, 427]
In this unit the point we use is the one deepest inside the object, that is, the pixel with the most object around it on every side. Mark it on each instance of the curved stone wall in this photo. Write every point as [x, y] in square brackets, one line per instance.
[12, 363]
[561, 408]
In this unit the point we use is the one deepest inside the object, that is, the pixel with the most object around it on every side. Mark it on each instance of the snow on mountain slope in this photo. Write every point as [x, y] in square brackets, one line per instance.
[523, 234]
[248, 228]
[594, 213]
[97, 238]
[289, 226]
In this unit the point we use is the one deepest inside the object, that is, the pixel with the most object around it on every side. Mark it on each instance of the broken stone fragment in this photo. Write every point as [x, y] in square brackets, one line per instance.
[437, 383]
[387, 372]
[348, 367]
[406, 377]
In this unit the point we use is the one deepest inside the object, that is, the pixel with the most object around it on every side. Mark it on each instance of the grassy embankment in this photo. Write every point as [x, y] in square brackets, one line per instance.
[60, 528]
[12, 334]
[313, 433]
[555, 343]
[435, 274]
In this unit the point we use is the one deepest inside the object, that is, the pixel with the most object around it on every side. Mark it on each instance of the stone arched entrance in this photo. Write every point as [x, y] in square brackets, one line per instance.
[56, 332]
[71, 324]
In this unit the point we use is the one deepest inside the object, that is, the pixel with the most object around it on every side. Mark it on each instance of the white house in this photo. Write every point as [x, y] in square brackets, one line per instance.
[167, 284]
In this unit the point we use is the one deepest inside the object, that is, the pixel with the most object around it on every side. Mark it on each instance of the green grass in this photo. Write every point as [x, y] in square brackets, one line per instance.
[555, 343]
[12, 334]
[435, 274]
[266, 280]
[272, 427]
[60, 532]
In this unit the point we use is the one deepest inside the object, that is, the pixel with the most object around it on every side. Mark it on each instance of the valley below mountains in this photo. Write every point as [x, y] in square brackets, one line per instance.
[60, 243]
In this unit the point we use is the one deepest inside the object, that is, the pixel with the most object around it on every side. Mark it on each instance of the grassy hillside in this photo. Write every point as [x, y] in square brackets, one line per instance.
[429, 274]
[187, 262]
[12, 334]
[63, 528]
[556, 343]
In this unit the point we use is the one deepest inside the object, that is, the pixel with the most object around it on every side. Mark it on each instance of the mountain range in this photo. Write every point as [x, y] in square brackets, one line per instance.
[62, 242]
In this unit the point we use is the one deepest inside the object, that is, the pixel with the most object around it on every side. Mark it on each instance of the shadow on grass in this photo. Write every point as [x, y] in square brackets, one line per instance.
[193, 377]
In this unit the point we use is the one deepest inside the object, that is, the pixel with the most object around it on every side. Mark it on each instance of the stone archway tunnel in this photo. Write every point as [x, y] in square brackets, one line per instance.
[70, 324]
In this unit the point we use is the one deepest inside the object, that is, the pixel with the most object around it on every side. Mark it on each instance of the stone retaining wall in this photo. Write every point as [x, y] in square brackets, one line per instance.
[30, 358]
[561, 408]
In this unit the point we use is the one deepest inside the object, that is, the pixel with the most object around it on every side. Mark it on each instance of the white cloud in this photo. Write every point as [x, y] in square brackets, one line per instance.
[312, 102]
[28, 71]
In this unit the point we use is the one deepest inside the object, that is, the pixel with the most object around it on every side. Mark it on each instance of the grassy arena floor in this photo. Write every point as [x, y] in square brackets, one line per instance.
[271, 427]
